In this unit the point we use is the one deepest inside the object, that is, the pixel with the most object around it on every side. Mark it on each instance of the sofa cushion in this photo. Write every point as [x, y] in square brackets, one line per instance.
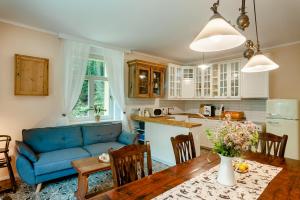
[58, 160]
[99, 148]
[127, 137]
[43, 140]
[23, 149]
[99, 133]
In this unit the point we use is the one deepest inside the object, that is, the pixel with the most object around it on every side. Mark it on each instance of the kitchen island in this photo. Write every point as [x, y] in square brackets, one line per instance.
[159, 130]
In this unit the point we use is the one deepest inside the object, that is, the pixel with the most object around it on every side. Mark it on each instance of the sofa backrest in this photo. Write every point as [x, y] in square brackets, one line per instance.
[100, 133]
[53, 138]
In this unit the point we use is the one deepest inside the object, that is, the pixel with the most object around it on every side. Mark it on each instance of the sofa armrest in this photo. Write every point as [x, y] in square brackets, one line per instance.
[26, 151]
[25, 169]
[127, 138]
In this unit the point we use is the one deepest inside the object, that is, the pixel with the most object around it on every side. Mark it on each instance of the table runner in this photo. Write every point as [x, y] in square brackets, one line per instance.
[205, 186]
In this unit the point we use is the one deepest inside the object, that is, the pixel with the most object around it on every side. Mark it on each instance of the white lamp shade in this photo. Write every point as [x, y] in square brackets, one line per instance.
[217, 35]
[203, 66]
[259, 63]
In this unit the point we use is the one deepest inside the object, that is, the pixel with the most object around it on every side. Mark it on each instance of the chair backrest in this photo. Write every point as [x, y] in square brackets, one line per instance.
[127, 163]
[183, 147]
[270, 144]
[4, 143]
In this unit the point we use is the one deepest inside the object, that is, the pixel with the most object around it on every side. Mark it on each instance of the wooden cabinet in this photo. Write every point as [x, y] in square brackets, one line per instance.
[146, 79]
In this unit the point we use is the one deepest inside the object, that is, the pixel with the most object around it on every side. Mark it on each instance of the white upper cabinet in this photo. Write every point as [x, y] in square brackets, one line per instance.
[222, 80]
[174, 81]
[198, 83]
[255, 85]
[188, 82]
[235, 79]
[207, 85]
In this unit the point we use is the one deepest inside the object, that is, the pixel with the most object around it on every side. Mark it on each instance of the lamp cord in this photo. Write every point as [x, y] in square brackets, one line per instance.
[257, 41]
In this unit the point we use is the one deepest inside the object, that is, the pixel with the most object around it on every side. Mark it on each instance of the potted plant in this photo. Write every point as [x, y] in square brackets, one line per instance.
[98, 111]
[230, 140]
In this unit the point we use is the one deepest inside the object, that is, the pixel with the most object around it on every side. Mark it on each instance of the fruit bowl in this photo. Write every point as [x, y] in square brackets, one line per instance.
[241, 167]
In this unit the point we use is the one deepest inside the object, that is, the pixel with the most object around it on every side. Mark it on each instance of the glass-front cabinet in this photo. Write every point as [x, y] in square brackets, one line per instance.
[235, 80]
[221, 80]
[157, 89]
[207, 82]
[174, 81]
[198, 83]
[146, 79]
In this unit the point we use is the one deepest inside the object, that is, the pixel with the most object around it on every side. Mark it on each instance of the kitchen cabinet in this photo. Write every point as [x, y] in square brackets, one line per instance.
[207, 82]
[220, 81]
[188, 82]
[174, 81]
[146, 79]
[255, 85]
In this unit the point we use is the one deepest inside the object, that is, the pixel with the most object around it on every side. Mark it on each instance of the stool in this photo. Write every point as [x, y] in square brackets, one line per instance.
[5, 162]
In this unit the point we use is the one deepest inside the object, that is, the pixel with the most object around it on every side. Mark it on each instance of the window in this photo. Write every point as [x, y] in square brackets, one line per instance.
[95, 91]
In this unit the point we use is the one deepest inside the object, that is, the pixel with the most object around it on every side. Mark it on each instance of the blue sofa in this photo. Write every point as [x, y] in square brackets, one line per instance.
[46, 153]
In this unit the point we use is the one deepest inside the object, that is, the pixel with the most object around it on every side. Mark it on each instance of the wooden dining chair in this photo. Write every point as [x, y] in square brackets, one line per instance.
[271, 145]
[183, 147]
[127, 163]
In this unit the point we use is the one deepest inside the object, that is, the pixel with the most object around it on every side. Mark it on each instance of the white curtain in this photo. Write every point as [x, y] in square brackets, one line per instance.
[76, 55]
[114, 61]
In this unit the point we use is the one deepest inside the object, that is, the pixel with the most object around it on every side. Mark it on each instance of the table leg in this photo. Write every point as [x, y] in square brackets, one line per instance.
[82, 187]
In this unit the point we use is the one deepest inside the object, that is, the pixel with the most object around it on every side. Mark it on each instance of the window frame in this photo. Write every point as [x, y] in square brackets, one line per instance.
[91, 88]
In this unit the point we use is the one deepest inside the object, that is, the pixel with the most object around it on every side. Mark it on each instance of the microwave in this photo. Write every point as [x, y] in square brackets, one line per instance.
[156, 112]
[209, 110]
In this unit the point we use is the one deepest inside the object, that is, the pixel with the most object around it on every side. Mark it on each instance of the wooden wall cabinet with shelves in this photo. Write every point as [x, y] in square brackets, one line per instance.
[146, 79]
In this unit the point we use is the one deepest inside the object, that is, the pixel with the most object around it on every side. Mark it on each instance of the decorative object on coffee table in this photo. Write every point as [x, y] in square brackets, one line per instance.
[230, 140]
[31, 75]
[86, 167]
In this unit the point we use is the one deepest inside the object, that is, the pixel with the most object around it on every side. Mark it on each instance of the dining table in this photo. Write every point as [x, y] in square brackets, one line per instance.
[286, 185]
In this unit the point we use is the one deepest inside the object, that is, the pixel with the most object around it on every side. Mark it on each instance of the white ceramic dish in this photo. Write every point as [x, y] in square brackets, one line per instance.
[104, 157]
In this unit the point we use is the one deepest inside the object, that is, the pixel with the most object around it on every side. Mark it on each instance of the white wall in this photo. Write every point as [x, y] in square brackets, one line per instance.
[21, 112]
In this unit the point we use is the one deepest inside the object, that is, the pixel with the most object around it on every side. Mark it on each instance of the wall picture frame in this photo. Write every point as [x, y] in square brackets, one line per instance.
[31, 76]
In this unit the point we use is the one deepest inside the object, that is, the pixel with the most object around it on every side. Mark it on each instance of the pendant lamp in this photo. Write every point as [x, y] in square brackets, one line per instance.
[203, 66]
[217, 35]
[259, 62]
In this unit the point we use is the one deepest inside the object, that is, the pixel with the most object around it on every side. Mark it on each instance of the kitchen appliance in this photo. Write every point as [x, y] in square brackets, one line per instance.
[219, 110]
[209, 110]
[283, 119]
[235, 115]
[156, 112]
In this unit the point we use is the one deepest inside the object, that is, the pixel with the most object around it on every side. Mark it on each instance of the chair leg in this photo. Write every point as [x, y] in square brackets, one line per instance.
[11, 174]
[38, 188]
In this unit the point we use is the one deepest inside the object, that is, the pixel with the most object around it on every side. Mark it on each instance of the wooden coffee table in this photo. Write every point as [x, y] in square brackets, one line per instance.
[85, 167]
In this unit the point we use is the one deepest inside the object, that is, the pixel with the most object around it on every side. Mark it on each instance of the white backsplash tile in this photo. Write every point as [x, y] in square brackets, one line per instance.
[255, 110]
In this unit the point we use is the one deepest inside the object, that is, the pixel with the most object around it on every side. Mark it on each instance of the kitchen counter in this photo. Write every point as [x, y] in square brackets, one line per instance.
[194, 115]
[165, 120]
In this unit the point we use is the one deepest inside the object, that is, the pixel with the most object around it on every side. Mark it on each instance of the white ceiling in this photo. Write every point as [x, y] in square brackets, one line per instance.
[159, 27]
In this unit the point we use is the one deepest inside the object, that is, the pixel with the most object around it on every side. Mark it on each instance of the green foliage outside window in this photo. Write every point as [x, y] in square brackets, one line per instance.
[96, 75]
